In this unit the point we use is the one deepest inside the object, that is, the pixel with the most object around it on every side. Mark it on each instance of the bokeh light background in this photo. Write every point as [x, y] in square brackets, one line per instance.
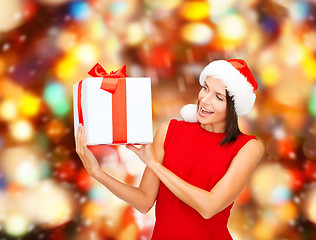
[46, 46]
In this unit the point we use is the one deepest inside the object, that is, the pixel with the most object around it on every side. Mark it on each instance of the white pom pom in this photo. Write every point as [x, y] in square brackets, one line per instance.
[189, 113]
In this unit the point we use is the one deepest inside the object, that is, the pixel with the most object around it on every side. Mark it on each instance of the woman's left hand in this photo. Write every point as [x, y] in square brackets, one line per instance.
[145, 153]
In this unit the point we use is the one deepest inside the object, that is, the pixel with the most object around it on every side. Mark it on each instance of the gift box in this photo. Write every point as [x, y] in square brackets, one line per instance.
[114, 108]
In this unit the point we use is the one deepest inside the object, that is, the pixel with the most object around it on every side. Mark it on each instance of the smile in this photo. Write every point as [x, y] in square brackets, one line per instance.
[204, 112]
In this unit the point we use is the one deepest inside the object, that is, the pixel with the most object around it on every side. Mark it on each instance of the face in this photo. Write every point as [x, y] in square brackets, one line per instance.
[212, 105]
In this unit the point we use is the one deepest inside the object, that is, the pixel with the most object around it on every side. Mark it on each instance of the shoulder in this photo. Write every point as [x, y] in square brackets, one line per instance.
[161, 132]
[253, 147]
[247, 143]
[163, 127]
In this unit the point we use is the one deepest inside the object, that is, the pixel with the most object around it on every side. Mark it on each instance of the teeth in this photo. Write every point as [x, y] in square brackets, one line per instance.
[203, 109]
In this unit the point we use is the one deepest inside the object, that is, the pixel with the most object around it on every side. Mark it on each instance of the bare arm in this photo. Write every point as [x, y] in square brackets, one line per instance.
[222, 194]
[143, 197]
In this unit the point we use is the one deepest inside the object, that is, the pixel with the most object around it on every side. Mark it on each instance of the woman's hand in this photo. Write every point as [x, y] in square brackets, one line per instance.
[145, 153]
[88, 159]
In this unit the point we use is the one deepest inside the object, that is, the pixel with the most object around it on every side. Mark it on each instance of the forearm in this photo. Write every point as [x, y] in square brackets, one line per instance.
[130, 194]
[195, 197]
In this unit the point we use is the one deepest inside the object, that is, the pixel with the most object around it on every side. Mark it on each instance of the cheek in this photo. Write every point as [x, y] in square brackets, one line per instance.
[221, 107]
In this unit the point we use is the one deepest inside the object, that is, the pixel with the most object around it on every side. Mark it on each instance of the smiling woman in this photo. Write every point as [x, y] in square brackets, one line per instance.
[195, 169]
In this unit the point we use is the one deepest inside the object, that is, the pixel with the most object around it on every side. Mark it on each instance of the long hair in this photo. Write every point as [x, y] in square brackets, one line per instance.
[231, 126]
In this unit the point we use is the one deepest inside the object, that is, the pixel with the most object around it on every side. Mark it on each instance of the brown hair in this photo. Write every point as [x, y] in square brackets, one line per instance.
[231, 126]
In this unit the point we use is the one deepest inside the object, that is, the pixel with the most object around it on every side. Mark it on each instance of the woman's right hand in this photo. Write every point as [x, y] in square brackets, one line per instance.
[88, 159]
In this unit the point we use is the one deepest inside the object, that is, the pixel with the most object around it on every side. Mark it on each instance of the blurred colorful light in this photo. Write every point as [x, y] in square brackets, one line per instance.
[270, 75]
[21, 165]
[270, 25]
[195, 10]
[86, 53]
[218, 8]
[66, 68]
[280, 195]
[48, 204]
[287, 212]
[309, 147]
[309, 66]
[16, 225]
[80, 10]
[135, 34]
[197, 33]
[97, 28]
[2, 182]
[312, 103]
[270, 184]
[83, 180]
[21, 130]
[53, 2]
[66, 40]
[131, 161]
[10, 15]
[29, 105]
[55, 129]
[118, 7]
[309, 203]
[264, 229]
[55, 97]
[299, 11]
[309, 167]
[232, 30]
[98, 193]
[8, 110]
[163, 5]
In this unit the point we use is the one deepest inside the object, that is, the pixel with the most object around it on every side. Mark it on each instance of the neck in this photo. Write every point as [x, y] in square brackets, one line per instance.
[212, 128]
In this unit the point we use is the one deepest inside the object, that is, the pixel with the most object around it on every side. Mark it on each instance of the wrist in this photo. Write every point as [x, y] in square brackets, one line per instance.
[153, 164]
[95, 173]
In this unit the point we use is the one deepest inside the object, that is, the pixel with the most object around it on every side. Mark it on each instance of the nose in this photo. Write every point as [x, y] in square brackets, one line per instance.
[207, 99]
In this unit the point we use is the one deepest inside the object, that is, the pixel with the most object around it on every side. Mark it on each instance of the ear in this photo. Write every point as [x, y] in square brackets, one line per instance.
[189, 113]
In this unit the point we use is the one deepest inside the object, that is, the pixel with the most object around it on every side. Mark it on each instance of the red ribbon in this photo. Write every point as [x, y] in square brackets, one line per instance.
[115, 83]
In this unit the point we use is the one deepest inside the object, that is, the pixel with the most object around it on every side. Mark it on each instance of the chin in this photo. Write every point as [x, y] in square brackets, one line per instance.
[203, 120]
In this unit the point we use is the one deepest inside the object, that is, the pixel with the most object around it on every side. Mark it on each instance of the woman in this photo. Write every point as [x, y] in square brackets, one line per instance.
[195, 168]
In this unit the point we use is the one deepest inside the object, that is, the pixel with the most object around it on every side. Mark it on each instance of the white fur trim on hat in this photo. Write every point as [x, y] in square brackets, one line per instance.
[189, 113]
[236, 84]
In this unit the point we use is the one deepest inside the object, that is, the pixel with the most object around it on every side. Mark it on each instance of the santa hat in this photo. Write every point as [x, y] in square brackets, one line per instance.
[239, 81]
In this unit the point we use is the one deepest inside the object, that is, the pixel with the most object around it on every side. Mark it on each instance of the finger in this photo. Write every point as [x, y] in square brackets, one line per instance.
[82, 138]
[76, 139]
[79, 136]
[78, 129]
[85, 140]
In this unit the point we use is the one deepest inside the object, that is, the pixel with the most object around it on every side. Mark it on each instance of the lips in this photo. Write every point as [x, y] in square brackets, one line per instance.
[204, 112]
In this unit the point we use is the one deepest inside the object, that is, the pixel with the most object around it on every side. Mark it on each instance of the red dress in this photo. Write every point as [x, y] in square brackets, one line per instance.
[195, 155]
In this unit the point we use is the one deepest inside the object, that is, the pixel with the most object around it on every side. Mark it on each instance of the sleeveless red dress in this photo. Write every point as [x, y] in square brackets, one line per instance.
[195, 155]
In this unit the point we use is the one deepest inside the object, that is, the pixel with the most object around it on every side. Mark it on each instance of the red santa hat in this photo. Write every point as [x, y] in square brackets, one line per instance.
[239, 81]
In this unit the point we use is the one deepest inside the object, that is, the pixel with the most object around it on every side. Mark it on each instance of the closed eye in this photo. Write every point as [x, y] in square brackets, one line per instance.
[219, 98]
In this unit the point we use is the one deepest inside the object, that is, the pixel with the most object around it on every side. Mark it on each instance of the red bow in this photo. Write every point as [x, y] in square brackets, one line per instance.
[110, 81]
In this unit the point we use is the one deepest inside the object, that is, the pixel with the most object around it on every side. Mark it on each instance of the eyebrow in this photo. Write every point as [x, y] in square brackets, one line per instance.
[216, 92]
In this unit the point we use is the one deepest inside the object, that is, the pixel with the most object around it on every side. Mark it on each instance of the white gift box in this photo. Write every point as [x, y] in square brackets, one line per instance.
[97, 109]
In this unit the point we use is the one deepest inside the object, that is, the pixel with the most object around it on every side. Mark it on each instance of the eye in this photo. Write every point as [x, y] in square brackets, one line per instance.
[219, 98]
[204, 87]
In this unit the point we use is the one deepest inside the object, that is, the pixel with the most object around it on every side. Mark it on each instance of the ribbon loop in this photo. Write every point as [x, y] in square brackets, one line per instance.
[110, 81]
